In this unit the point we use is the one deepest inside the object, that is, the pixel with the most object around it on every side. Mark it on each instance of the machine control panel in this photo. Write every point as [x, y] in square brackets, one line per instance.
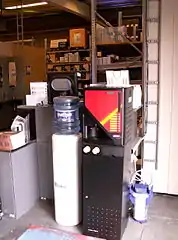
[104, 150]
[96, 150]
[87, 149]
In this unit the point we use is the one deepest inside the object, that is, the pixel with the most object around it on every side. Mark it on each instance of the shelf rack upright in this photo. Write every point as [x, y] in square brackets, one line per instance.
[151, 80]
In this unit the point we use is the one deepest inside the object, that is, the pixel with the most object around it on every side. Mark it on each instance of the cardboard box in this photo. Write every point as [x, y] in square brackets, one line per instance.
[54, 43]
[77, 38]
[12, 140]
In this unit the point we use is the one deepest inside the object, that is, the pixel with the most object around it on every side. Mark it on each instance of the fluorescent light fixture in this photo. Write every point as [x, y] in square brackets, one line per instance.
[26, 5]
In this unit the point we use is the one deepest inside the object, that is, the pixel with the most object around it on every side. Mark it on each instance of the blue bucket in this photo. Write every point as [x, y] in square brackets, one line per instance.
[140, 196]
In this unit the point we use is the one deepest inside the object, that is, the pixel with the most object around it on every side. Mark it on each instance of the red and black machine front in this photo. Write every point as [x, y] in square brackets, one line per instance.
[108, 131]
[109, 110]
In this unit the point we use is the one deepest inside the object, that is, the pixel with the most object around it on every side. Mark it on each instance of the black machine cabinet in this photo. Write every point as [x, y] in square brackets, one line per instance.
[105, 191]
[108, 133]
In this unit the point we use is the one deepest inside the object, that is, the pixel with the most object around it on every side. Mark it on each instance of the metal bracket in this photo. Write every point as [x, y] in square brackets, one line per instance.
[150, 160]
[153, 20]
[152, 103]
[150, 141]
[152, 41]
[152, 122]
[152, 82]
[152, 61]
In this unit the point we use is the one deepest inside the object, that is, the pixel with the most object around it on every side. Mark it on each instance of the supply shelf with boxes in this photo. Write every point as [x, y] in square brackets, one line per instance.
[120, 48]
[150, 77]
[71, 54]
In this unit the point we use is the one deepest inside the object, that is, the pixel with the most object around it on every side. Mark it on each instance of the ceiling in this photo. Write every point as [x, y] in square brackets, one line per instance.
[59, 15]
[49, 8]
[117, 3]
[101, 4]
[56, 8]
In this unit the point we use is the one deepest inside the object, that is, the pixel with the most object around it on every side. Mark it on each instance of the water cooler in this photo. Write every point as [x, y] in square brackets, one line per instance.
[66, 143]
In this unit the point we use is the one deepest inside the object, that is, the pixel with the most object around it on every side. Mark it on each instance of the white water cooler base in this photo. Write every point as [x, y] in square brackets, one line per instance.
[67, 178]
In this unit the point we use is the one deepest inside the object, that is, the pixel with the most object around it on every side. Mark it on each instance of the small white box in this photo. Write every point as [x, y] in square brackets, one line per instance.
[54, 43]
[66, 57]
[71, 57]
[100, 60]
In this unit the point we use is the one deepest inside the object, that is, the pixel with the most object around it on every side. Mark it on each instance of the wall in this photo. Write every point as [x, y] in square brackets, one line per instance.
[33, 57]
[23, 56]
[166, 176]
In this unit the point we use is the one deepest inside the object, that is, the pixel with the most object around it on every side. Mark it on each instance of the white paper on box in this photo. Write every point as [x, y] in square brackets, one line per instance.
[117, 78]
[137, 96]
[12, 74]
[38, 88]
[38, 95]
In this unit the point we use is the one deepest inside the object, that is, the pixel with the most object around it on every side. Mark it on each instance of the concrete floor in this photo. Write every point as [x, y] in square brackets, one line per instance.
[162, 222]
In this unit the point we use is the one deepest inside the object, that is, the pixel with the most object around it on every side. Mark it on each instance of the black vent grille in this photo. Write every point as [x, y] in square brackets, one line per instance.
[128, 118]
[128, 125]
[103, 223]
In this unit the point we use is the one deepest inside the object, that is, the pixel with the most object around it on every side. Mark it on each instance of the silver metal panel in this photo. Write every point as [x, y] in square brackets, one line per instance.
[6, 183]
[44, 117]
[19, 180]
[25, 178]
[45, 164]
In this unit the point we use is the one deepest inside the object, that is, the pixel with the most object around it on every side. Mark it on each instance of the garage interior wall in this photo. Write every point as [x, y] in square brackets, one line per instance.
[23, 56]
[34, 58]
[166, 177]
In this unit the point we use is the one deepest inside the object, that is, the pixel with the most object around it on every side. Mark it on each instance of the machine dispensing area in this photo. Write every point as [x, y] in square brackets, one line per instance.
[80, 155]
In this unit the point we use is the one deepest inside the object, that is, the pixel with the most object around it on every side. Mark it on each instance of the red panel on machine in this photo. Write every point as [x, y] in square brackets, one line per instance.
[104, 105]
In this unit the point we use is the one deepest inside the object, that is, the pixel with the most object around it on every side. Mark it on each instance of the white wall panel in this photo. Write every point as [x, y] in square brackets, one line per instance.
[152, 113]
[151, 133]
[152, 51]
[149, 152]
[166, 104]
[153, 72]
[165, 100]
[152, 31]
[153, 10]
[153, 92]
[173, 160]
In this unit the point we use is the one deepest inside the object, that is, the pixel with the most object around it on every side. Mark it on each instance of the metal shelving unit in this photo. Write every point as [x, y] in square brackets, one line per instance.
[54, 64]
[120, 65]
[150, 73]
[131, 63]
